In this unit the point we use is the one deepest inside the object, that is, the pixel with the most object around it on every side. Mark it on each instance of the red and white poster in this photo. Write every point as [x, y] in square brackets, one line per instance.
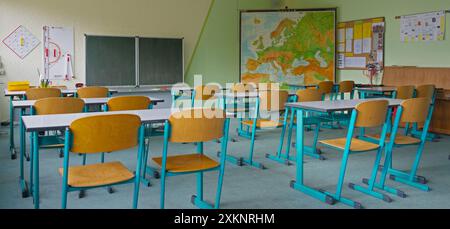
[58, 53]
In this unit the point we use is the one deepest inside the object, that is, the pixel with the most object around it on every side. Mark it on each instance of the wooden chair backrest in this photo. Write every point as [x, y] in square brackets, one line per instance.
[105, 133]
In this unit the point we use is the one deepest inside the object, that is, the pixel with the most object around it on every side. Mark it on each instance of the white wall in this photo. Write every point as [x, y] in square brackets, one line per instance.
[146, 18]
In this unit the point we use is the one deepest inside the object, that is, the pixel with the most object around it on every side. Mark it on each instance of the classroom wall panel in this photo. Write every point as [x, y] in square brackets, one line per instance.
[217, 56]
[145, 18]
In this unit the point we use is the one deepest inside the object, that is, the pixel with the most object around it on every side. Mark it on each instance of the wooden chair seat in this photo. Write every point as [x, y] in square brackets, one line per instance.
[264, 123]
[399, 139]
[97, 174]
[187, 163]
[357, 145]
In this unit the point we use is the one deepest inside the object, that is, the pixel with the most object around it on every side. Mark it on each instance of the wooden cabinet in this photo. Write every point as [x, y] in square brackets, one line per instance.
[405, 75]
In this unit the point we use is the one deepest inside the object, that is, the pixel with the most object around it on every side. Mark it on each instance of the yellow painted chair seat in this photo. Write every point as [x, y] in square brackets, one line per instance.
[399, 139]
[264, 123]
[97, 174]
[187, 163]
[357, 145]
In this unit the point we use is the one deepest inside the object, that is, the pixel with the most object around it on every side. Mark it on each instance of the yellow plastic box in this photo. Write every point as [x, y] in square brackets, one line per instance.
[18, 86]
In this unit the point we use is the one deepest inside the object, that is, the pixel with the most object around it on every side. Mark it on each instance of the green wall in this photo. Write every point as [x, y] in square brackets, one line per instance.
[217, 55]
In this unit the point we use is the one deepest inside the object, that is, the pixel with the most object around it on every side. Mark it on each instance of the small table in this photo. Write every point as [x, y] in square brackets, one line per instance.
[377, 92]
[320, 107]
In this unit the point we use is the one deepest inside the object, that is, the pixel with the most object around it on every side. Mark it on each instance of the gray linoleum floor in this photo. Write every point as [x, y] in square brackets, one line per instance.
[244, 187]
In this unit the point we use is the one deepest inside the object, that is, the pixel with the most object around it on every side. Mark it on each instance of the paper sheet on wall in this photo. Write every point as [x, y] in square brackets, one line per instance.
[341, 61]
[341, 35]
[355, 62]
[349, 46]
[423, 27]
[358, 46]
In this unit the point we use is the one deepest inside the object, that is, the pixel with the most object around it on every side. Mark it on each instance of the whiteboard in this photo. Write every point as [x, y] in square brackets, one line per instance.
[58, 52]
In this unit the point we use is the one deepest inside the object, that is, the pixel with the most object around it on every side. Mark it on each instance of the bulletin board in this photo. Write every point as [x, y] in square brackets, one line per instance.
[360, 43]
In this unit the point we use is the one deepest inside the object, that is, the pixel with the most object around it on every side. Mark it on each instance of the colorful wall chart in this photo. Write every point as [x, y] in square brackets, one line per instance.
[21, 41]
[288, 46]
[423, 27]
[361, 43]
[58, 52]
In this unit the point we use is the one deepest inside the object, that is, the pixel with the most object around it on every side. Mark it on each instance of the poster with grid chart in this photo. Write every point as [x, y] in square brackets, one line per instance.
[21, 41]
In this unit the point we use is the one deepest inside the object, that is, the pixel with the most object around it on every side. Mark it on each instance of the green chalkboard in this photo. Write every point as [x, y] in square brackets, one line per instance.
[110, 61]
[160, 61]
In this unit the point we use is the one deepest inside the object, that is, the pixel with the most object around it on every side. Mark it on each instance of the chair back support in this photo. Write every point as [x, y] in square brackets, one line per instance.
[273, 100]
[196, 125]
[415, 110]
[425, 91]
[42, 93]
[129, 103]
[346, 86]
[62, 87]
[206, 92]
[326, 87]
[371, 113]
[59, 105]
[309, 95]
[105, 133]
[405, 92]
[92, 92]
[241, 88]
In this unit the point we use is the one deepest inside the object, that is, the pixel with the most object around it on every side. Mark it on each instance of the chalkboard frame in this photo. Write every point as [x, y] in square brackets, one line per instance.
[137, 60]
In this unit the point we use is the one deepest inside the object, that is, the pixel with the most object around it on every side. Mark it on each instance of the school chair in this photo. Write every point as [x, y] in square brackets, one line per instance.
[414, 110]
[239, 107]
[268, 103]
[346, 87]
[424, 91]
[39, 93]
[92, 92]
[369, 114]
[404, 92]
[306, 95]
[327, 89]
[98, 134]
[202, 125]
[203, 93]
[49, 106]
[124, 103]
[42, 93]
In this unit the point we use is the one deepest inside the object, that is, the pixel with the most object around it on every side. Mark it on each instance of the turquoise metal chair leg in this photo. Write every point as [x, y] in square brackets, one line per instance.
[279, 157]
[224, 149]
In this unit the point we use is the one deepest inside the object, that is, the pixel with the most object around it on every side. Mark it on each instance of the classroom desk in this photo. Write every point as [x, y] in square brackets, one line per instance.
[23, 104]
[319, 107]
[20, 95]
[366, 92]
[38, 123]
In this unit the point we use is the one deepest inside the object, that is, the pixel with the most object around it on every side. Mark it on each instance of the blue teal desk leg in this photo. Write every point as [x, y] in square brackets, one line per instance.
[298, 184]
[12, 148]
[23, 183]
